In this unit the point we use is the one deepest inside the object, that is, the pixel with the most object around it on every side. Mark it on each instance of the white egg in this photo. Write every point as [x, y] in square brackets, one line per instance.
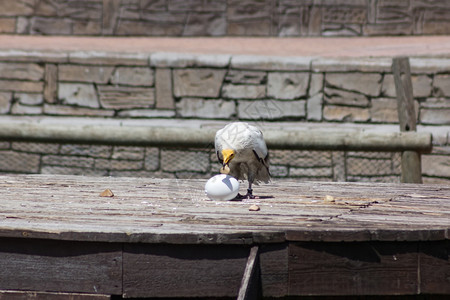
[222, 187]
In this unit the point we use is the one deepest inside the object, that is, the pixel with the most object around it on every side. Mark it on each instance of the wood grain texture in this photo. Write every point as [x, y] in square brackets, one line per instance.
[178, 212]
[24, 295]
[404, 91]
[274, 269]
[411, 164]
[379, 268]
[164, 238]
[251, 280]
[183, 270]
[44, 265]
[434, 269]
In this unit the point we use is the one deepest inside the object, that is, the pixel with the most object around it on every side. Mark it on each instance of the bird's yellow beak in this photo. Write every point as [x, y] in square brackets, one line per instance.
[228, 155]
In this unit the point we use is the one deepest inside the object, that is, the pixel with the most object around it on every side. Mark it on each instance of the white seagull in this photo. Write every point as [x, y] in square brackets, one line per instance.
[242, 151]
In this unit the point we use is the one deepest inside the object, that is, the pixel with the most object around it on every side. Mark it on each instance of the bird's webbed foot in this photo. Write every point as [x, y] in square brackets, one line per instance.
[249, 195]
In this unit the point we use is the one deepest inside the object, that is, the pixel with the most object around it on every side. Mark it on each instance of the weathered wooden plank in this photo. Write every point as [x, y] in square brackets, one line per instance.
[165, 210]
[274, 269]
[251, 280]
[199, 137]
[404, 91]
[411, 164]
[353, 268]
[434, 270]
[27, 295]
[183, 271]
[59, 266]
[51, 85]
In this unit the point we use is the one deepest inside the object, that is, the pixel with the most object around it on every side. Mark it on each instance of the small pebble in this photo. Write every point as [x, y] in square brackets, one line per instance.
[107, 193]
[254, 208]
[329, 198]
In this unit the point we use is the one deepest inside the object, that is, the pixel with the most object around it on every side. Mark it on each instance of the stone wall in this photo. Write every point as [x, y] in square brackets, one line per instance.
[259, 89]
[225, 17]
[105, 160]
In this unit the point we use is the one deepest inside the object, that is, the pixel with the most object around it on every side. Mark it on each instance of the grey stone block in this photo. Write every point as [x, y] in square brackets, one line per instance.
[287, 85]
[311, 172]
[57, 170]
[29, 99]
[270, 109]
[205, 24]
[125, 97]
[136, 76]
[436, 103]
[178, 160]
[163, 88]
[79, 94]
[341, 97]
[240, 91]
[11, 85]
[195, 5]
[20, 109]
[5, 102]
[86, 150]
[435, 116]
[205, 108]
[23, 71]
[68, 161]
[118, 164]
[367, 167]
[11, 161]
[76, 73]
[198, 82]
[316, 84]
[365, 83]
[314, 107]
[345, 113]
[436, 165]
[279, 171]
[51, 26]
[127, 152]
[63, 110]
[442, 85]
[15, 8]
[301, 158]
[151, 162]
[384, 110]
[44, 148]
[246, 77]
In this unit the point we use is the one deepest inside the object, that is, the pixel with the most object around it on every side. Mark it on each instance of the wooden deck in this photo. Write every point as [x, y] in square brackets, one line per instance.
[163, 237]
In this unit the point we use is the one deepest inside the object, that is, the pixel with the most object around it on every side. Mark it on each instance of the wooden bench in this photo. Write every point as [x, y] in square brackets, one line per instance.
[164, 238]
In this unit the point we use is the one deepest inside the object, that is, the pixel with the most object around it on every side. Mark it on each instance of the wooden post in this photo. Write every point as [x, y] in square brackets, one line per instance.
[251, 281]
[411, 163]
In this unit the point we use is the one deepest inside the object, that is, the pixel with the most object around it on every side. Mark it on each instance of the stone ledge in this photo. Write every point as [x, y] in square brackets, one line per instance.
[236, 61]
[183, 60]
[271, 63]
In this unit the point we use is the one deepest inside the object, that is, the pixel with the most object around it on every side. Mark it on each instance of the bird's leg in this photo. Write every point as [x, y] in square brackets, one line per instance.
[250, 191]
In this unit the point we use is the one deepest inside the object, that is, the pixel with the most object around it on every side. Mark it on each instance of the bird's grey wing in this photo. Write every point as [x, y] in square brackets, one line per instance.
[259, 145]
